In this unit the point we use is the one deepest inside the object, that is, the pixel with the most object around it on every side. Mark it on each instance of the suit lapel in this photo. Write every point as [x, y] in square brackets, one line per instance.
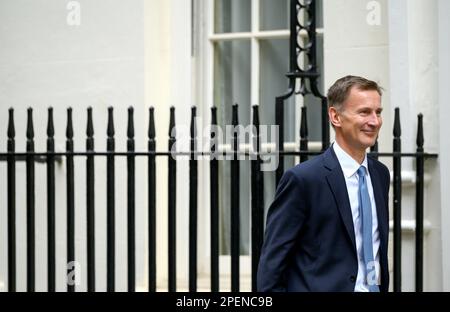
[338, 187]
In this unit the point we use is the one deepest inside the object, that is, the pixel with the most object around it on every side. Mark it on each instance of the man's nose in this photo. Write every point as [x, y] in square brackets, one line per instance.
[374, 120]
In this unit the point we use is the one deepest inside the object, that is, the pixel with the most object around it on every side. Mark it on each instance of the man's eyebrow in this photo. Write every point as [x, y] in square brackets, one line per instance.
[367, 108]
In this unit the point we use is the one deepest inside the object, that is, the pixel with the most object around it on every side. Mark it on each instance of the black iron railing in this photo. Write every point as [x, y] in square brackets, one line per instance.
[257, 202]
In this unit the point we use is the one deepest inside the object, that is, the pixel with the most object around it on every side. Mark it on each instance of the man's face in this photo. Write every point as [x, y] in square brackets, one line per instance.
[359, 120]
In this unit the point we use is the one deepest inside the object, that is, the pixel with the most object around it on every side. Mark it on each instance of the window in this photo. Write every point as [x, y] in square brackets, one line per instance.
[245, 58]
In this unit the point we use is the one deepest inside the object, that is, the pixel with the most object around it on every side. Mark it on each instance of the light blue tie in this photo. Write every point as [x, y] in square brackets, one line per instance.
[365, 210]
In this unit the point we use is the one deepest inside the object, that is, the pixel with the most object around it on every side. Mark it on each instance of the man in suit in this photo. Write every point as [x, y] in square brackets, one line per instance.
[327, 228]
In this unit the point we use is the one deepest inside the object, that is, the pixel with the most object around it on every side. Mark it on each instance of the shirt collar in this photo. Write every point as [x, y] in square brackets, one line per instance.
[348, 164]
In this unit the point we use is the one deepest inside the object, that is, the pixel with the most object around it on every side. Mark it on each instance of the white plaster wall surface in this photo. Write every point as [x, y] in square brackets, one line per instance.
[46, 62]
[169, 83]
[423, 41]
[444, 148]
[354, 46]
[414, 81]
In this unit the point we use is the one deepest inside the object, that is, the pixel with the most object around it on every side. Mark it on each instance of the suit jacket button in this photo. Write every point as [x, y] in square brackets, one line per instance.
[352, 278]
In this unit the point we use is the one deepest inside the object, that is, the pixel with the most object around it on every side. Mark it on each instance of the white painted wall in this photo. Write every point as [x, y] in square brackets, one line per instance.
[413, 53]
[444, 148]
[169, 83]
[355, 47]
[157, 90]
[100, 63]
[135, 53]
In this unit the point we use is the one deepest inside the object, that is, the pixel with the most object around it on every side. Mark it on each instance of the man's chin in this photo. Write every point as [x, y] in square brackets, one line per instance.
[369, 144]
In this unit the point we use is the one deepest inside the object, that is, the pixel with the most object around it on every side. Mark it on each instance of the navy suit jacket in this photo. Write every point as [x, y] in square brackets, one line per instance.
[309, 241]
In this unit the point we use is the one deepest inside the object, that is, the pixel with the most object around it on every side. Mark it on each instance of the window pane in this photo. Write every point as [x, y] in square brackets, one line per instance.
[232, 85]
[232, 16]
[274, 57]
[232, 79]
[274, 14]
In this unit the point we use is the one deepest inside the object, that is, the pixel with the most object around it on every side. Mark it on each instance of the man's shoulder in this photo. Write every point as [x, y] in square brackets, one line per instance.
[379, 166]
[309, 168]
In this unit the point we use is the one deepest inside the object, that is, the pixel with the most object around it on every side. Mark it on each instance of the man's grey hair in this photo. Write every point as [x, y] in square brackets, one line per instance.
[339, 91]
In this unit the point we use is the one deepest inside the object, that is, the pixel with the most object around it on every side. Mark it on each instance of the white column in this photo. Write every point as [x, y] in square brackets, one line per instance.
[413, 61]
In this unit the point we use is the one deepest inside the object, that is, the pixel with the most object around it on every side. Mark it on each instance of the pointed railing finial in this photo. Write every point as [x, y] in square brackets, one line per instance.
[193, 123]
[397, 128]
[151, 123]
[50, 125]
[213, 115]
[30, 129]
[90, 124]
[69, 128]
[235, 115]
[172, 122]
[11, 128]
[130, 130]
[420, 138]
[110, 128]
[256, 115]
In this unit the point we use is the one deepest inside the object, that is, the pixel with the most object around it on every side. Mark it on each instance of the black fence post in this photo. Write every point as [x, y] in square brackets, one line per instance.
[257, 184]
[51, 201]
[110, 203]
[172, 204]
[374, 149]
[214, 201]
[30, 204]
[303, 134]
[90, 203]
[419, 204]
[325, 124]
[193, 205]
[71, 271]
[151, 203]
[131, 203]
[397, 183]
[235, 217]
[279, 144]
[11, 204]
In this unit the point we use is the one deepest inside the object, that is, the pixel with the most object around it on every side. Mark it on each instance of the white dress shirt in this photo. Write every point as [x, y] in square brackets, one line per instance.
[349, 167]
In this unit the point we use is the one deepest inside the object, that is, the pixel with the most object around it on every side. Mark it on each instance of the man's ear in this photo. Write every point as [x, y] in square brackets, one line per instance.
[334, 116]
